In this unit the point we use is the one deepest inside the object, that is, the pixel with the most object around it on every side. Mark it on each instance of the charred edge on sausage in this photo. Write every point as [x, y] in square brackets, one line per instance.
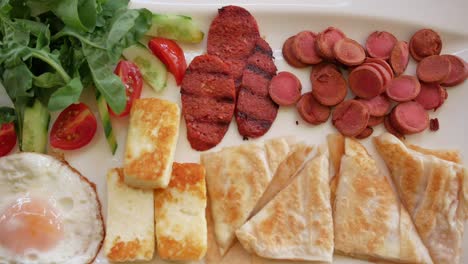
[265, 124]
[222, 99]
[257, 70]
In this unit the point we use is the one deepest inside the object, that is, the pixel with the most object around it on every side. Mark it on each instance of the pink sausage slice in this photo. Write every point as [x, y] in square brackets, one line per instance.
[409, 118]
[379, 44]
[311, 111]
[378, 106]
[349, 52]
[434, 68]
[382, 63]
[399, 57]
[390, 128]
[285, 88]
[318, 69]
[289, 56]
[366, 82]
[329, 87]
[303, 46]
[386, 76]
[350, 118]
[458, 71]
[365, 133]
[375, 120]
[432, 96]
[403, 88]
[326, 41]
[424, 43]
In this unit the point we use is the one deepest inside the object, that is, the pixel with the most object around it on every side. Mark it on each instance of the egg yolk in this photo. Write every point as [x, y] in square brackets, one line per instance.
[30, 224]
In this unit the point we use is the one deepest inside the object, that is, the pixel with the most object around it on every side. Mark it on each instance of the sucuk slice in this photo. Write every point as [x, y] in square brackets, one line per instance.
[378, 106]
[399, 57]
[375, 120]
[366, 82]
[289, 56]
[365, 133]
[458, 71]
[326, 41]
[329, 88]
[434, 68]
[350, 117]
[431, 96]
[349, 52]
[382, 63]
[424, 43]
[285, 89]
[409, 118]
[386, 76]
[318, 69]
[403, 88]
[303, 47]
[312, 111]
[390, 128]
[379, 44]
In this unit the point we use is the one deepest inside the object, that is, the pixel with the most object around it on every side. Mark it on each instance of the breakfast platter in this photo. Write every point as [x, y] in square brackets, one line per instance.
[264, 161]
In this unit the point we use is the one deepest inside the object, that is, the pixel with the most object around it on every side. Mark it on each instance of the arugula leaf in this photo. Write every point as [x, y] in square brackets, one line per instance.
[48, 80]
[15, 86]
[7, 115]
[109, 84]
[77, 14]
[66, 95]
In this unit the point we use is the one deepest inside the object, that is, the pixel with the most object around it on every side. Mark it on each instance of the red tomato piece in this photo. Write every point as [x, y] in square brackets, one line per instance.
[131, 77]
[170, 53]
[74, 127]
[7, 138]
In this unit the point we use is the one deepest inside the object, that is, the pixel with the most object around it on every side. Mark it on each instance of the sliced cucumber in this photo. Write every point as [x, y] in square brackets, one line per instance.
[106, 122]
[35, 127]
[175, 27]
[153, 70]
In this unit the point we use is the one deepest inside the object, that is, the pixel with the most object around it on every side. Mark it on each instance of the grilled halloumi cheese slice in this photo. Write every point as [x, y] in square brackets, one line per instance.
[130, 221]
[151, 143]
[181, 229]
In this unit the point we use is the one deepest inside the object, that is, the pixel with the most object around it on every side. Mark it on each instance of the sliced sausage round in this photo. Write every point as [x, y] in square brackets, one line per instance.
[382, 63]
[424, 43]
[285, 88]
[312, 111]
[375, 120]
[403, 88]
[366, 82]
[409, 118]
[365, 133]
[379, 44]
[329, 88]
[431, 96]
[318, 69]
[378, 106]
[350, 117]
[349, 52]
[390, 128]
[458, 71]
[326, 41]
[434, 68]
[386, 76]
[303, 46]
[289, 56]
[399, 57]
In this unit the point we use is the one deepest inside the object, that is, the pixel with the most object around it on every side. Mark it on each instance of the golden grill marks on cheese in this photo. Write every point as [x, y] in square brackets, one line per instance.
[369, 220]
[434, 192]
[181, 229]
[130, 221]
[297, 223]
[151, 142]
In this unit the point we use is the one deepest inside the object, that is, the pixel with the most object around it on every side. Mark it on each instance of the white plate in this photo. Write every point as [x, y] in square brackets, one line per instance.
[277, 21]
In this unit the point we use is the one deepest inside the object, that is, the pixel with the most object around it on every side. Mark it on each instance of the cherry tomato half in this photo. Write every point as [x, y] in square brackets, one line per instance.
[74, 127]
[7, 138]
[131, 77]
[170, 53]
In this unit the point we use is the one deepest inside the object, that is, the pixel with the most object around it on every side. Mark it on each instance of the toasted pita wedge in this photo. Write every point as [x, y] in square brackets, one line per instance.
[297, 223]
[370, 222]
[445, 154]
[236, 178]
[336, 149]
[432, 191]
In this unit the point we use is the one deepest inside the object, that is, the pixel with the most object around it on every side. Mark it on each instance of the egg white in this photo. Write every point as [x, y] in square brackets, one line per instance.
[73, 196]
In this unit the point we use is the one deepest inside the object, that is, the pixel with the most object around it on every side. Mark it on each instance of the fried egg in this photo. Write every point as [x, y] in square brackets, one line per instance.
[49, 213]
